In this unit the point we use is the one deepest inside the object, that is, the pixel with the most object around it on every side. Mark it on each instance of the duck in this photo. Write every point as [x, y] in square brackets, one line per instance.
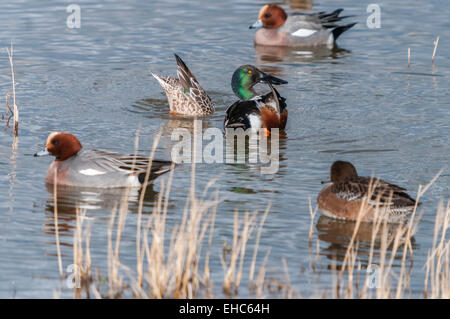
[96, 168]
[277, 28]
[185, 94]
[254, 111]
[343, 197]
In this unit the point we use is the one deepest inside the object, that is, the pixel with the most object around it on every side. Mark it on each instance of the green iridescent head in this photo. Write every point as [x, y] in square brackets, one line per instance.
[247, 76]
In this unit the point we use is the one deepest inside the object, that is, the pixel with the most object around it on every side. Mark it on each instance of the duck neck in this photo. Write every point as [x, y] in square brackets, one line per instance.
[241, 86]
[246, 93]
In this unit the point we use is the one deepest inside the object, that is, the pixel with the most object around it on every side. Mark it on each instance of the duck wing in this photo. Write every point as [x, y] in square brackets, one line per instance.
[303, 25]
[238, 115]
[272, 98]
[190, 84]
[382, 192]
[324, 19]
[99, 162]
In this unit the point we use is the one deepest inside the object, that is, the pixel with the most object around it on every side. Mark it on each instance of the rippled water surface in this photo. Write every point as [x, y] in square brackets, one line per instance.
[359, 103]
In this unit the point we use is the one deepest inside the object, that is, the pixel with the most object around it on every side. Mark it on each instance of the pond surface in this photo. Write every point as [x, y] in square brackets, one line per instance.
[360, 103]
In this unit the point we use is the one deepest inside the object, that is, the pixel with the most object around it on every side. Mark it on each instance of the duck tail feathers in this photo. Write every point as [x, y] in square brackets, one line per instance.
[158, 168]
[341, 29]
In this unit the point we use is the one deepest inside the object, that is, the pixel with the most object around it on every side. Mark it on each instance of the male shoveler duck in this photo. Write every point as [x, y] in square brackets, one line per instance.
[343, 197]
[255, 111]
[298, 29]
[185, 95]
[96, 168]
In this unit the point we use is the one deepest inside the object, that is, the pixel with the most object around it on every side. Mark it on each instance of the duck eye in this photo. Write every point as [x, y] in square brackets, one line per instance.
[249, 72]
[268, 15]
[55, 142]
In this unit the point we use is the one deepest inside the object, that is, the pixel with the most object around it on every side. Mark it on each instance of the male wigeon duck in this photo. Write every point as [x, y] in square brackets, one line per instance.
[185, 95]
[298, 29]
[255, 111]
[96, 168]
[343, 197]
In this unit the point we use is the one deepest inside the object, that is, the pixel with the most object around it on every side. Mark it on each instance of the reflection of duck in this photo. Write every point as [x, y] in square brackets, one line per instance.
[185, 123]
[255, 111]
[301, 4]
[270, 156]
[347, 193]
[69, 199]
[270, 54]
[298, 29]
[338, 234]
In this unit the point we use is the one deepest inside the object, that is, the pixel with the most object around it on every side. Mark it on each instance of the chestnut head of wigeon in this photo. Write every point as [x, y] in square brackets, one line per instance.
[270, 16]
[341, 171]
[61, 145]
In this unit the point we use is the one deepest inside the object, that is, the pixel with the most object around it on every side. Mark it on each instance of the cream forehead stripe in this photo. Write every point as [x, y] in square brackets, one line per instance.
[262, 11]
[52, 135]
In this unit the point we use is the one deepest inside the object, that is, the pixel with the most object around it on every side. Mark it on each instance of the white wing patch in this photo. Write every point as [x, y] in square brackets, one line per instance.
[91, 172]
[133, 181]
[255, 121]
[303, 33]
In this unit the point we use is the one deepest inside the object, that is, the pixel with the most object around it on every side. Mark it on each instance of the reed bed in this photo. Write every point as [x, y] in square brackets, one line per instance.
[175, 262]
[169, 264]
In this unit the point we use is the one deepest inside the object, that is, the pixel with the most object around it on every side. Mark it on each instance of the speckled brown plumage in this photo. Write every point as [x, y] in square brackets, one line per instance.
[185, 95]
[348, 191]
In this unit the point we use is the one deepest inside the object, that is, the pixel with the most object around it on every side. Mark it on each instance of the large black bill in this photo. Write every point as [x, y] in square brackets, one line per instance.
[272, 79]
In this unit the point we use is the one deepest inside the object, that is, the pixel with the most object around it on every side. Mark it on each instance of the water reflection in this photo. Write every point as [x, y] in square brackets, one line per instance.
[338, 234]
[272, 54]
[301, 4]
[159, 108]
[69, 199]
[266, 154]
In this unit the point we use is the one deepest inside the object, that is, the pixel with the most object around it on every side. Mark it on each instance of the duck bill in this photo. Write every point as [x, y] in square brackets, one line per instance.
[258, 24]
[42, 153]
[272, 79]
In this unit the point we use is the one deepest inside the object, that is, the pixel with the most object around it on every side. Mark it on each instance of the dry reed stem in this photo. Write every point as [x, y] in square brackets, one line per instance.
[255, 250]
[409, 57]
[82, 257]
[437, 264]
[232, 272]
[434, 50]
[259, 284]
[313, 215]
[110, 252]
[15, 108]
[139, 264]
[55, 214]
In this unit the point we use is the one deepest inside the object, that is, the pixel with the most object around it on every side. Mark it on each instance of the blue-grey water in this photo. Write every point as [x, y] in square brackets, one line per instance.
[360, 103]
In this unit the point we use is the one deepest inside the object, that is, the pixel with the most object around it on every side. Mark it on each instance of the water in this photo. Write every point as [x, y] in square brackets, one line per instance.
[360, 103]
